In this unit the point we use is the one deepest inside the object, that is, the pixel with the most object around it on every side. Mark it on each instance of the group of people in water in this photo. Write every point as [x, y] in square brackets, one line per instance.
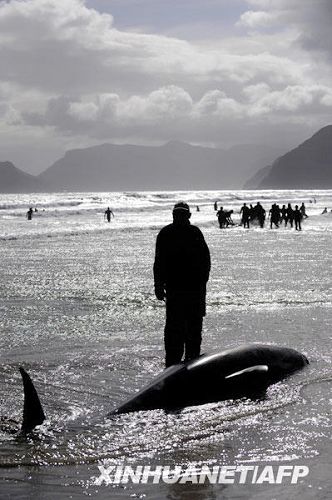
[250, 215]
[257, 215]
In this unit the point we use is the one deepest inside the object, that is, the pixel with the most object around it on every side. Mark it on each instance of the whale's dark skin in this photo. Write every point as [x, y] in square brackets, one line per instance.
[33, 413]
[242, 372]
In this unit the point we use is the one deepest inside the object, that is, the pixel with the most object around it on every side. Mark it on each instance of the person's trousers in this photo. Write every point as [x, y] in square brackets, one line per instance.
[183, 330]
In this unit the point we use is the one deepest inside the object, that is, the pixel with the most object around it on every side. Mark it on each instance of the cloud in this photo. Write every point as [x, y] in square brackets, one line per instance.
[171, 109]
[257, 19]
[297, 99]
[68, 73]
[311, 21]
[61, 46]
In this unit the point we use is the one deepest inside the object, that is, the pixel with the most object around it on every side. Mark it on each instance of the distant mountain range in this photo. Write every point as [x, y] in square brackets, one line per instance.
[172, 166]
[309, 166]
[180, 166]
[13, 180]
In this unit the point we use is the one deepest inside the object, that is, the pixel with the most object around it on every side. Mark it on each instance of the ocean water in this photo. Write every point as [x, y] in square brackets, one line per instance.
[77, 310]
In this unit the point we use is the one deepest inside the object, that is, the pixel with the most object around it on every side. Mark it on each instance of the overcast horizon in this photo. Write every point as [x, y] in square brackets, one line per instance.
[78, 73]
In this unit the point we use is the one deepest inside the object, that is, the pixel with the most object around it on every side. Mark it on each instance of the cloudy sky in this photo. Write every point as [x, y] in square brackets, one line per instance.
[74, 73]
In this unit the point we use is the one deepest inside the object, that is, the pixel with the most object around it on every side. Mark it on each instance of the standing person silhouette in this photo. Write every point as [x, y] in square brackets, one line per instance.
[297, 218]
[260, 214]
[303, 210]
[274, 215]
[108, 213]
[221, 217]
[290, 215]
[29, 213]
[245, 211]
[181, 271]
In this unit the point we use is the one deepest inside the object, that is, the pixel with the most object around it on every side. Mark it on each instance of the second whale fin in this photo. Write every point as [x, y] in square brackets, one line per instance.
[33, 413]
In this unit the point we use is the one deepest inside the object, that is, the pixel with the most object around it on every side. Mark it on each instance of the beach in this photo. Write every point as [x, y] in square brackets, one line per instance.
[78, 311]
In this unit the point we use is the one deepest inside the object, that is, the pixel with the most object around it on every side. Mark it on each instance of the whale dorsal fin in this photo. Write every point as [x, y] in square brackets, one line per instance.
[252, 369]
[33, 413]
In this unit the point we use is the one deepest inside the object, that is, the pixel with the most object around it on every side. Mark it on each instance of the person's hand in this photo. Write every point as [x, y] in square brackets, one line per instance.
[159, 292]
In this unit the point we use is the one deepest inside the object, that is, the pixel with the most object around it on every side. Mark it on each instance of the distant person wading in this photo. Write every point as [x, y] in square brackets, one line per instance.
[181, 271]
[108, 213]
[297, 218]
[245, 211]
[29, 213]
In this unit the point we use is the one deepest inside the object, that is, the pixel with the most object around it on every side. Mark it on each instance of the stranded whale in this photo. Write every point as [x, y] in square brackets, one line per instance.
[245, 371]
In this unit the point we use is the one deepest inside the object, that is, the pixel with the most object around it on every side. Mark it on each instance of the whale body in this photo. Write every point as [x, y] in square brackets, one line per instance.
[245, 371]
